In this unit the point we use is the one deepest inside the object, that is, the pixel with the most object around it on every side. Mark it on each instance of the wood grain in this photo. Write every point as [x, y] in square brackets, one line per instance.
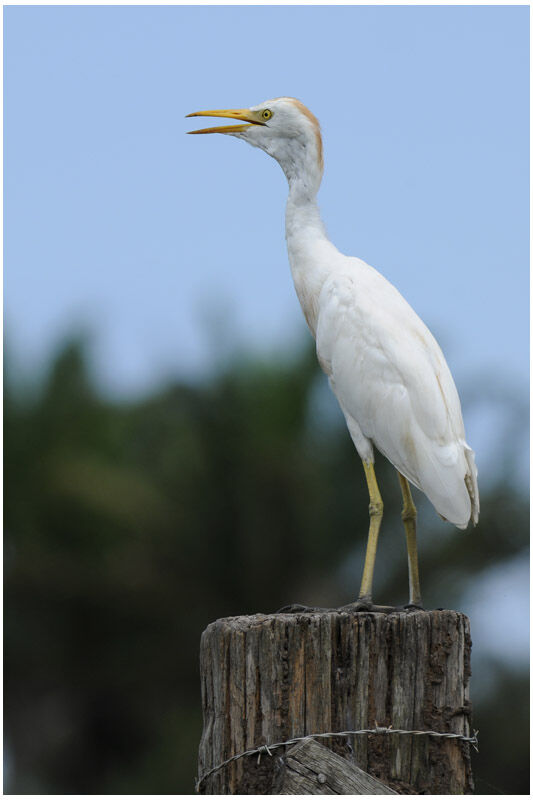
[267, 678]
[310, 768]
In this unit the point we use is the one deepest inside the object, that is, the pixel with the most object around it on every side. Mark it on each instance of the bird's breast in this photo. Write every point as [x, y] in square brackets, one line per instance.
[311, 261]
[308, 295]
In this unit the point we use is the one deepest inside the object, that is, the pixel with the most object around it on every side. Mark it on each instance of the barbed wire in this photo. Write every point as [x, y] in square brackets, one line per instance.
[266, 748]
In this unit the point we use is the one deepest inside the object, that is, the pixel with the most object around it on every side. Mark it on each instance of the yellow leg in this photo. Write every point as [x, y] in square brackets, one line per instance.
[376, 514]
[409, 521]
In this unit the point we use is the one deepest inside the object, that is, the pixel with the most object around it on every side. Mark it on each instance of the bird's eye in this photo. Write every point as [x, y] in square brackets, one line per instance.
[267, 113]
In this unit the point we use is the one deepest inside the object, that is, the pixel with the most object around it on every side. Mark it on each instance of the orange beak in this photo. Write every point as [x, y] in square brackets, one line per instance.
[232, 113]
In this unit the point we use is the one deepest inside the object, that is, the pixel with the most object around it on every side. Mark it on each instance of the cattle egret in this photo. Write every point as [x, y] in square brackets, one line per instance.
[384, 366]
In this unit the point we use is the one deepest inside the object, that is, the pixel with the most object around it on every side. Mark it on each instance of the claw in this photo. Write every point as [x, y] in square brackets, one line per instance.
[359, 606]
[297, 608]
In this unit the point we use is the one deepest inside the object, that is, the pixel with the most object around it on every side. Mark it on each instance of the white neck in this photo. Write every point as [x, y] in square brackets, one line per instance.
[310, 251]
[303, 224]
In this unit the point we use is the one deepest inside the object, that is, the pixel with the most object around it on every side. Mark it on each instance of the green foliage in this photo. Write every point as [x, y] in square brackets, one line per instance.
[130, 526]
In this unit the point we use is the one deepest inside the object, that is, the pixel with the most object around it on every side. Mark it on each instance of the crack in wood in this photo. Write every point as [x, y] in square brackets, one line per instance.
[268, 678]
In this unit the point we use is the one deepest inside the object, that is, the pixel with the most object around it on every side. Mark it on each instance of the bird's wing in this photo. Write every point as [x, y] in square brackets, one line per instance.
[390, 376]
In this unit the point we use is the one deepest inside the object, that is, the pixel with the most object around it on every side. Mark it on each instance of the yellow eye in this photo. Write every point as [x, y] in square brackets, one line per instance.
[267, 113]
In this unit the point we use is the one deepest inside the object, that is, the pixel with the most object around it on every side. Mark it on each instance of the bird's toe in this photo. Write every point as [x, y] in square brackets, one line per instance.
[297, 608]
[413, 607]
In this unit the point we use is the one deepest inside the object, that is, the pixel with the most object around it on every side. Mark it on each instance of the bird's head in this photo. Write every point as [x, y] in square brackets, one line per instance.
[284, 128]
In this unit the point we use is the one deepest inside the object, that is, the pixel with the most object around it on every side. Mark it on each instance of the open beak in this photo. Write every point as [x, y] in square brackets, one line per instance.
[231, 113]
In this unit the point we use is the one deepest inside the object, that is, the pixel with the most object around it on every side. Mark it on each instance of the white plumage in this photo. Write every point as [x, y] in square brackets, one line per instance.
[384, 366]
[394, 386]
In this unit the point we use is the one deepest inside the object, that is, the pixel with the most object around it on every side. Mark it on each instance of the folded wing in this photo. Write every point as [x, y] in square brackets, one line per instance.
[391, 379]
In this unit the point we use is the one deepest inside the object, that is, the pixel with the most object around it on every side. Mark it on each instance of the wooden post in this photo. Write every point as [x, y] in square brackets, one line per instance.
[270, 678]
[310, 768]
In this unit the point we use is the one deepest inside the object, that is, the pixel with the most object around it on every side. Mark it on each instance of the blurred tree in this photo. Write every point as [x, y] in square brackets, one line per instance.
[130, 526]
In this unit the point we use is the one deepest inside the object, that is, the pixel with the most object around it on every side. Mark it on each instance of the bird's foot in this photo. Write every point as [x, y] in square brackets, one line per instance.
[297, 608]
[360, 606]
[366, 604]
[357, 607]
[413, 607]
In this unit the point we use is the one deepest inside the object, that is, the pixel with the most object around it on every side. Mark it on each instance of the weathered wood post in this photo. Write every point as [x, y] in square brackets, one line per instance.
[270, 678]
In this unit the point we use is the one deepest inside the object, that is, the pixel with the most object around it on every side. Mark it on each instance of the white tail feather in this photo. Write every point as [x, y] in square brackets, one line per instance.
[471, 483]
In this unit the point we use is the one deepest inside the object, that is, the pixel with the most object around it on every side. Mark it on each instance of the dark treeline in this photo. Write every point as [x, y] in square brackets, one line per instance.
[130, 526]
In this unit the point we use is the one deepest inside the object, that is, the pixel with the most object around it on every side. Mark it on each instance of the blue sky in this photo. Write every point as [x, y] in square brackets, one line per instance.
[171, 248]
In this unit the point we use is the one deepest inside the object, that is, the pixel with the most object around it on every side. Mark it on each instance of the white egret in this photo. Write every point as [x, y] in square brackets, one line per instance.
[387, 371]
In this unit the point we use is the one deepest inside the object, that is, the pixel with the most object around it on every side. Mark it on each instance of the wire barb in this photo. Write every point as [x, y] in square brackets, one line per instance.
[266, 748]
